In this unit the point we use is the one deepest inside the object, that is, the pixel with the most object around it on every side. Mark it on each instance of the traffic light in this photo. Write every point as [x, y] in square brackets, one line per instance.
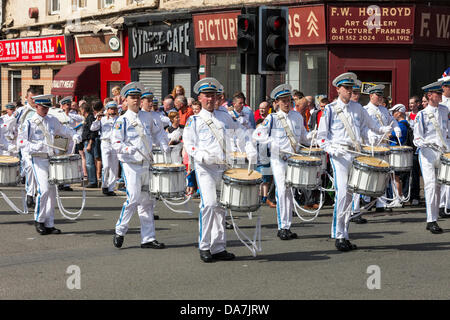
[274, 44]
[247, 40]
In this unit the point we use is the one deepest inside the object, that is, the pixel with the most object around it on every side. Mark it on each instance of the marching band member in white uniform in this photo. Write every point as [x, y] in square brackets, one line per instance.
[381, 115]
[132, 138]
[284, 131]
[36, 140]
[8, 128]
[445, 190]
[431, 136]
[22, 114]
[206, 139]
[110, 162]
[341, 127]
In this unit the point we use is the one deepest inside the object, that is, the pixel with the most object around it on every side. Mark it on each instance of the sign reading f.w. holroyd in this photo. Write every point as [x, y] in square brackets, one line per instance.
[34, 49]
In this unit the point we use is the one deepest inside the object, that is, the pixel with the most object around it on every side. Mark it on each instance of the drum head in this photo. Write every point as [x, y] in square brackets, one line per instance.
[376, 149]
[371, 163]
[445, 158]
[401, 149]
[305, 160]
[241, 176]
[313, 151]
[236, 155]
[8, 161]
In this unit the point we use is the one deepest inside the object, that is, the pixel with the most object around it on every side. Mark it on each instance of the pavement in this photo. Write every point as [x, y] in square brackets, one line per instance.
[396, 257]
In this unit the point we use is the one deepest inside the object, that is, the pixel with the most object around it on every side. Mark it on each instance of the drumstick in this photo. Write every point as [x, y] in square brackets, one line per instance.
[49, 145]
[384, 135]
[249, 168]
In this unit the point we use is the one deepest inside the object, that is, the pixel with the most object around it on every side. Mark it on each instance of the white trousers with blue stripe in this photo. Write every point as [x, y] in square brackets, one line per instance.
[137, 200]
[445, 197]
[211, 220]
[30, 181]
[429, 161]
[285, 201]
[44, 211]
[110, 165]
[340, 223]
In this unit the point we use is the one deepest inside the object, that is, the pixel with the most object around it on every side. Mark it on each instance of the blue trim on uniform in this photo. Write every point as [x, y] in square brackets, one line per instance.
[425, 194]
[128, 196]
[38, 200]
[279, 93]
[201, 207]
[132, 90]
[333, 230]
[207, 86]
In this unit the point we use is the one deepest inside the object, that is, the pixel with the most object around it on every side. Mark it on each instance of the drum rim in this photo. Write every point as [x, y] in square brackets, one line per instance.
[10, 164]
[156, 170]
[444, 159]
[64, 158]
[311, 163]
[402, 150]
[307, 152]
[229, 180]
[364, 192]
[252, 208]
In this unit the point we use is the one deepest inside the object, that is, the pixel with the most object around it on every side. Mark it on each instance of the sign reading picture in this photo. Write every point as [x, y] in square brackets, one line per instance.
[162, 45]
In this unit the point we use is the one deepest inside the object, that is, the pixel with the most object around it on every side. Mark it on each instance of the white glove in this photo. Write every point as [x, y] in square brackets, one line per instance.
[372, 140]
[336, 152]
[311, 134]
[199, 156]
[398, 132]
[34, 147]
[76, 138]
[12, 148]
[386, 129]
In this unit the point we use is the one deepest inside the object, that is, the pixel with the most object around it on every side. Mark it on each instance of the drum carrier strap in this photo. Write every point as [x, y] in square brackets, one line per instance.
[215, 132]
[137, 124]
[351, 134]
[437, 128]
[378, 115]
[48, 140]
[288, 131]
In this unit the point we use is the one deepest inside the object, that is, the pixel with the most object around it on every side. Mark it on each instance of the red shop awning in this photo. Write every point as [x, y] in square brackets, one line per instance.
[77, 79]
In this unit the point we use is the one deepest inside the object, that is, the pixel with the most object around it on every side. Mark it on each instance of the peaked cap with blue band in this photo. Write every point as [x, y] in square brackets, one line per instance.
[66, 100]
[433, 87]
[378, 89]
[345, 79]
[44, 100]
[10, 105]
[155, 100]
[283, 90]
[445, 81]
[357, 86]
[206, 85]
[133, 88]
[148, 92]
[111, 104]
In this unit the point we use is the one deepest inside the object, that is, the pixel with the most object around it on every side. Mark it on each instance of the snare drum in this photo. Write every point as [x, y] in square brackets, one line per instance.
[168, 180]
[65, 169]
[175, 154]
[444, 169]
[238, 160]
[303, 172]
[401, 158]
[240, 191]
[368, 176]
[316, 152]
[378, 152]
[9, 171]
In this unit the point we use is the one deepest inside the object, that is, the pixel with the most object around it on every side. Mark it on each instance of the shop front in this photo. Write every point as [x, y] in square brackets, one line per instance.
[32, 62]
[162, 52]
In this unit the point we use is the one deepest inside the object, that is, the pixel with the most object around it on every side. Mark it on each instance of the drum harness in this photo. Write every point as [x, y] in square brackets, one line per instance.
[254, 245]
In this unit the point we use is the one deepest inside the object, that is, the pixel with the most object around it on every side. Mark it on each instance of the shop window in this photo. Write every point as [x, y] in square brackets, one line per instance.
[15, 85]
[375, 77]
[78, 4]
[106, 3]
[54, 6]
[312, 71]
[427, 67]
[112, 84]
[225, 67]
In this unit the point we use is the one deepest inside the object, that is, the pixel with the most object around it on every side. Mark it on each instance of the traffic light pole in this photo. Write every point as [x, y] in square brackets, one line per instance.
[262, 89]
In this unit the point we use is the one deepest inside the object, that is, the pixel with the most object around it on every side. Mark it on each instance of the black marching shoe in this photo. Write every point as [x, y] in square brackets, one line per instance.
[67, 188]
[224, 255]
[283, 234]
[117, 241]
[60, 187]
[53, 230]
[205, 256]
[30, 202]
[92, 186]
[292, 235]
[350, 245]
[358, 220]
[40, 228]
[434, 227]
[342, 245]
[106, 192]
[228, 226]
[155, 217]
[442, 213]
[153, 245]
